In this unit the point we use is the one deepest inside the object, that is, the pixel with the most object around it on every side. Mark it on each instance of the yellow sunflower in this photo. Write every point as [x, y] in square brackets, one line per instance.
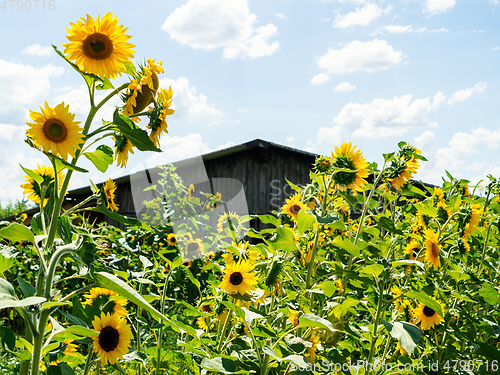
[193, 249]
[99, 46]
[241, 253]
[229, 220]
[439, 193]
[122, 148]
[239, 278]
[171, 239]
[293, 206]
[71, 349]
[159, 126]
[113, 339]
[55, 130]
[412, 249]
[346, 157]
[109, 189]
[33, 189]
[427, 317]
[190, 192]
[293, 317]
[400, 180]
[311, 351]
[432, 247]
[97, 294]
[473, 214]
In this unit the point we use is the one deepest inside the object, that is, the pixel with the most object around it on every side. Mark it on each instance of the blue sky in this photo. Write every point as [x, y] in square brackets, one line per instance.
[308, 74]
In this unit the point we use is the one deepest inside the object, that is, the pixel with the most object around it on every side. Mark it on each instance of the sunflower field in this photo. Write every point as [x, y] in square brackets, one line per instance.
[362, 271]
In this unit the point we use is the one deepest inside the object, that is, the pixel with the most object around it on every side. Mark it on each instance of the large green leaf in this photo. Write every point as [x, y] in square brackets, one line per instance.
[138, 137]
[407, 334]
[113, 283]
[346, 245]
[16, 232]
[6, 303]
[35, 176]
[102, 157]
[297, 360]
[386, 223]
[283, 240]
[373, 269]
[310, 320]
[426, 300]
[305, 221]
[221, 365]
[89, 77]
[7, 257]
[489, 294]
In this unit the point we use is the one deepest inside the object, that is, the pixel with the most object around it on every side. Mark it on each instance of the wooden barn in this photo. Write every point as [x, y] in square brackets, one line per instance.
[251, 178]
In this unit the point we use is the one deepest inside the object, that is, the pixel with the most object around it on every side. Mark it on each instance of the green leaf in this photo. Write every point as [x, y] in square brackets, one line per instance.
[386, 223]
[138, 137]
[16, 232]
[388, 157]
[89, 77]
[236, 309]
[117, 217]
[6, 303]
[283, 240]
[64, 229]
[35, 176]
[27, 289]
[62, 164]
[310, 320]
[328, 287]
[221, 365]
[102, 157]
[346, 245]
[458, 276]
[426, 300]
[7, 257]
[115, 284]
[250, 315]
[48, 305]
[462, 297]
[407, 262]
[295, 359]
[373, 269]
[8, 337]
[105, 85]
[305, 221]
[269, 219]
[347, 304]
[489, 294]
[6, 290]
[407, 334]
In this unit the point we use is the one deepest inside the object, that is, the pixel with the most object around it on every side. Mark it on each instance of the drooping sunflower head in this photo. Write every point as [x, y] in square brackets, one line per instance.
[229, 221]
[33, 189]
[350, 167]
[113, 339]
[432, 248]
[190, 192]
[469, 218]
[323, 164]
[427, 317]
[55, 130]
[239, 278]
[401, 172]
[158, 114]
[122, 148]
[109, 189]
[99, 46]
[293, 206]
[293, 316]
[100, 299]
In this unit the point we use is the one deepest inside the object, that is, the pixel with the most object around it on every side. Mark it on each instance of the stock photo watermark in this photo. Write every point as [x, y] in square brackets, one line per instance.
[28, 5]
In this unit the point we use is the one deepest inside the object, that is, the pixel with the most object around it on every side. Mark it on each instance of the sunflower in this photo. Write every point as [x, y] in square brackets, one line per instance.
[432, 247]
[122, 148]
[109, 189]
[202, 323]
[443, 212]
[241, 253]
[158, 125]
[113, 339]
[100, 297]
[54, 130]
[71, 349]
[190, 192]
[229, 220]
[472, 215]
[33, 189]
[400, 348]
[427, 317]
[346, 157]
[171, 239]
[338, 283]
[99, 46]
[193, 249]
[439, 193]
[293, 317]
[311, 351]
[293, 206]
[412, 249]
[239, 278]
[408, 168]
[323, 164]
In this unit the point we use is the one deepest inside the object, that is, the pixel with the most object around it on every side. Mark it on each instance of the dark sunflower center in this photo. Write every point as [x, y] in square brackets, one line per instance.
[192, 247]
[97, 46]
[236, 278]
[434, 250]
[109, 338]
[55, 130]
[294, 209]
[173, 241]
[344, 178]
[428, 312]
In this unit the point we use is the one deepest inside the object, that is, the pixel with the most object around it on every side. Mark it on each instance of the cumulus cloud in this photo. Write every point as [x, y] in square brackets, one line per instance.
[345, 86]
[38, 50]
[280, 15]
[227, 24]
[191, 105]
[319, 79]
[438, 6]
[360, 17]
[462, 95]
[360, 56]
[399, 29]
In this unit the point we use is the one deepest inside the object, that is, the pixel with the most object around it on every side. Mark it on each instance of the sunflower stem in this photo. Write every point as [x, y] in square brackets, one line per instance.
[224, 329]
[376, 322]
[485, 246]
[88, 362]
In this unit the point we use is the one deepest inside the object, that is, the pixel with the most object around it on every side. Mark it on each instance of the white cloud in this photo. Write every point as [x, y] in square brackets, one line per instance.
[23, 85]
[280, 16]
[387, 117]
[438, 6]
[462, 95]
[242, 110]
[188, 103]
[345, 86]
[355, 2]
[319, 79]
[399, 29]
[360, 56]
[38, 50]
[426, 141]
[360, 17]
[227, 24]
[331, 135]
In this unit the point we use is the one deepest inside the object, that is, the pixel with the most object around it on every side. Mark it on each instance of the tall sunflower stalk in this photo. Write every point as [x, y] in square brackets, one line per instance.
[98, 49]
